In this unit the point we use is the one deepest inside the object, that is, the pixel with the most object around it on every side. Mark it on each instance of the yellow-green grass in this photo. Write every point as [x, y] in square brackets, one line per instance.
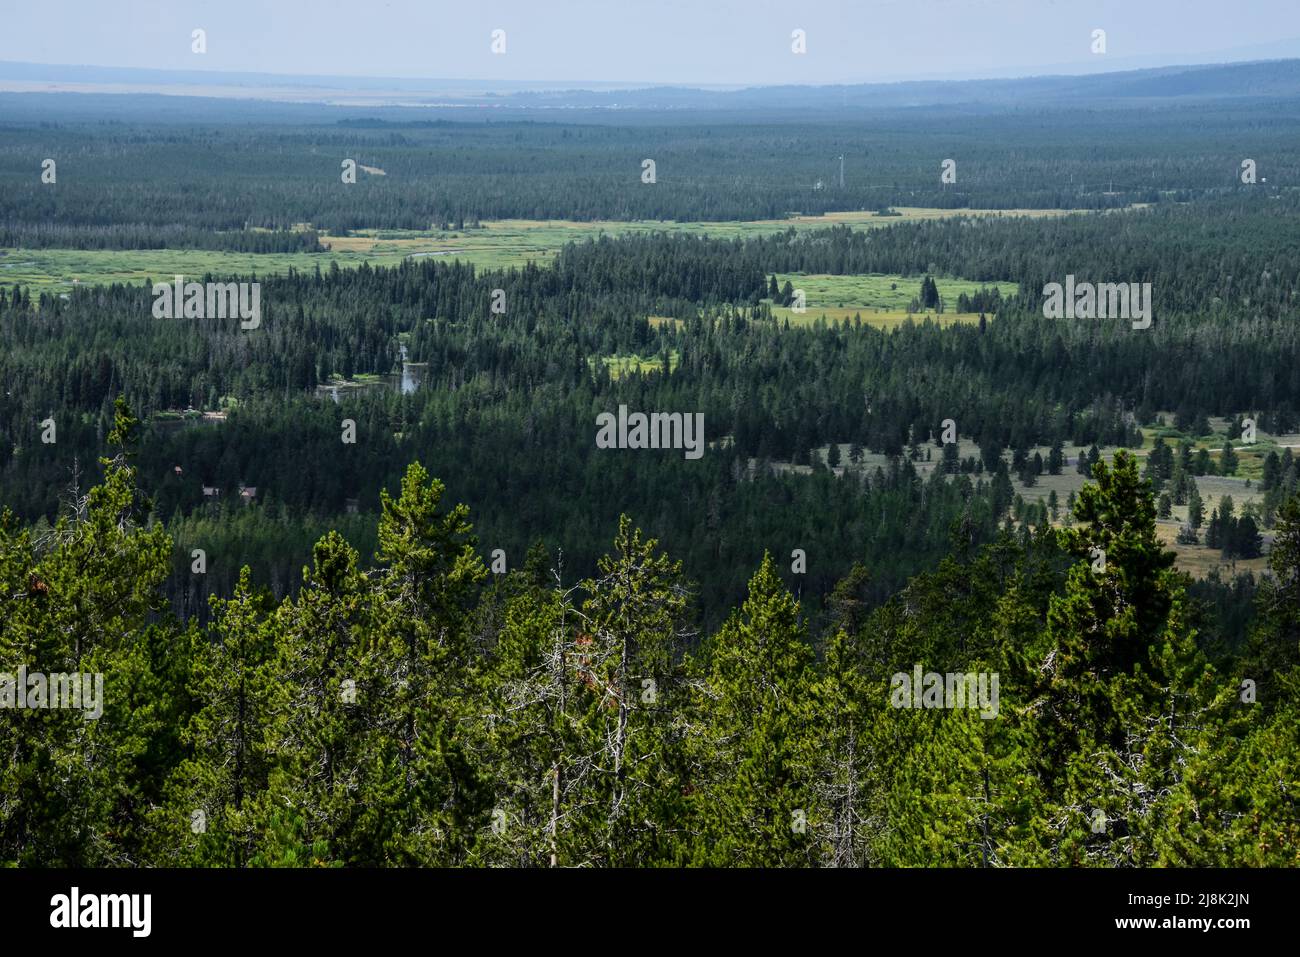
[1199, 561]
[62, 269]
[881, 300]
[1196, 560]
[878, 299]
[1250, 458]
[619, 365]
[500, 243]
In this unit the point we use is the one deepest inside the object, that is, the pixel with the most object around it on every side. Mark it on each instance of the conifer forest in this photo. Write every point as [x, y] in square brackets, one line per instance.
[779, 473]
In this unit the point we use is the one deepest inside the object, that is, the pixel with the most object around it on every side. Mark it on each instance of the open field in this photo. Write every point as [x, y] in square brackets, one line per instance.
[619, 365]
[501, 243]
[881, 300]
[1199, 561]
[1196, 560]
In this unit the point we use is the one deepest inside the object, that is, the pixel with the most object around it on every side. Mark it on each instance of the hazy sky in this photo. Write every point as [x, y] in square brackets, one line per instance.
[660, 41]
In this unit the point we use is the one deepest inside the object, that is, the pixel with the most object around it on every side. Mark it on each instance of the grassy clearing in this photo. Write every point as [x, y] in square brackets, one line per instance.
[63, 269]
[880, 300]
[501, 243]
[1196, 560]
[1199, 561]
[619, 365]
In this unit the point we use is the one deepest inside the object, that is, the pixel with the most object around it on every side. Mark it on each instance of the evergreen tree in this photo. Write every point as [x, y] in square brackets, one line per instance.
[633, 623]
[426, 664]
[75, 788]
[1227, 459]
[1274, 644]
[755, 806]
[1055, 458]
[1195, 508]
[215, 814]
[1123, 680]
[323, 733]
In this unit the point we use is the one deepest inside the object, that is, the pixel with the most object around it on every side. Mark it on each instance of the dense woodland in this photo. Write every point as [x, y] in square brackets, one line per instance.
[354, 679]
[507, 409]
[119, 180]
[425, 712]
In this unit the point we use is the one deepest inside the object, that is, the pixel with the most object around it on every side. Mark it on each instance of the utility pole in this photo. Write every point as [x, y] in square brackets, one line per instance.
[841, 171]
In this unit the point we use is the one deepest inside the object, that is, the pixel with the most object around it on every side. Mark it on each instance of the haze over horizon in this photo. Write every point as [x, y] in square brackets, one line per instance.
[619, 43]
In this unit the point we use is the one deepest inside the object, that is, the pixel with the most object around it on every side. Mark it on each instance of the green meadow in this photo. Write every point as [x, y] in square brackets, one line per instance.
[880, 300]
[496, 244]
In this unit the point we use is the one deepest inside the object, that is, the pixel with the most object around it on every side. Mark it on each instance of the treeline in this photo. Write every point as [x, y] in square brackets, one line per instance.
[531, 471]
[427, 713]
[231, 175]
[1020, 380]
[1235, 537]
[1173, 478]
[506, 410]
[46, 235]
[1214, 259]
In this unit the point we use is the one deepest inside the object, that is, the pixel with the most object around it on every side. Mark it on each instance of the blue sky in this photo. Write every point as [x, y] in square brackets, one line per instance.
[719, 42]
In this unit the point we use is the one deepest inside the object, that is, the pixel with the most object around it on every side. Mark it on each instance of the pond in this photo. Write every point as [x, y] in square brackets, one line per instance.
[406, 382]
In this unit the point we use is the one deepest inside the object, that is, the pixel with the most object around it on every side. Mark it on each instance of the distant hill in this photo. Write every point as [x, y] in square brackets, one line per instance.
[1277, 79]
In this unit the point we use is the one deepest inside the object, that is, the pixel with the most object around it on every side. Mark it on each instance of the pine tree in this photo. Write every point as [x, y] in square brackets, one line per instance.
[633, 625]
[1055, 458]
[1213, 531]
[214, 813]
[325, 790]
[1274, 643]
[1123, 682]
[1247, 542]
[844, 758]
[1227, 459]
[427, 669]
[540, 735]
[1272, 470]
[755, 806]
[75, 791]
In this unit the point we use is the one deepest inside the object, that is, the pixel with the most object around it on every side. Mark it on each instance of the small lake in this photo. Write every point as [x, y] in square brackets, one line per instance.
[405, 383]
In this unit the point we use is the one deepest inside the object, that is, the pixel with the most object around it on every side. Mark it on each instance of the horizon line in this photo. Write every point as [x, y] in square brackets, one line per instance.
[606, 86]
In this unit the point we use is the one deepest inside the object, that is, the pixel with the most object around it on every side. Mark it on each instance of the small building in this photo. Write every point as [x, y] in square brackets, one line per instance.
[352, 505]
[248, 493]
[211, 491]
